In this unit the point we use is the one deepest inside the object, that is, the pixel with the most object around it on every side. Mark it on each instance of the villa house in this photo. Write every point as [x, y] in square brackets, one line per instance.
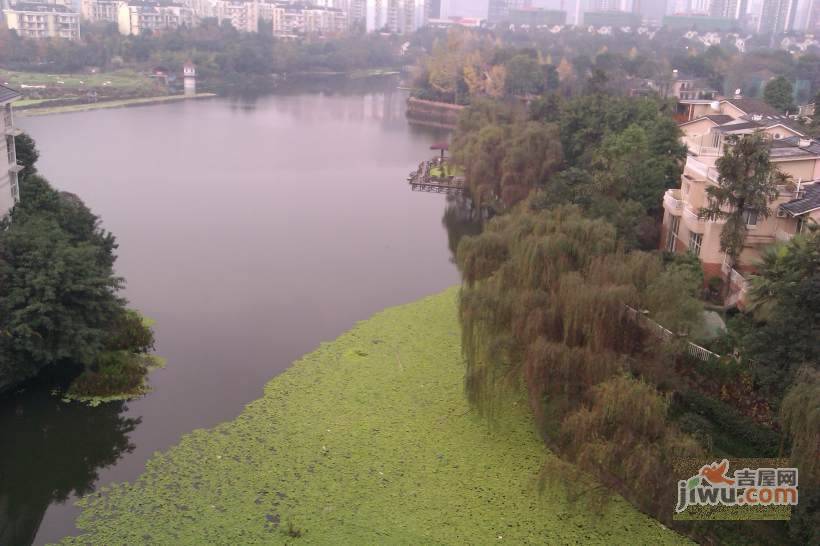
[797, 204]
[9, 191]
[737, 107]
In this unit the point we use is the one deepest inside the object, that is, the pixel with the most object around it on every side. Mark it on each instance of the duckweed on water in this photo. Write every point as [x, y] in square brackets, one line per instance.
[367, 440]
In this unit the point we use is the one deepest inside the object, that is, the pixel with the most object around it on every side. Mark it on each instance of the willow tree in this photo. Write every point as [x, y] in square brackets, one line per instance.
[800, 419]
[746, 186]
[546, 315]
[504, 156]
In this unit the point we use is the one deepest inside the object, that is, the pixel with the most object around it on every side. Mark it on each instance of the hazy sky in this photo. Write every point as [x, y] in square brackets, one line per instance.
[468, 8]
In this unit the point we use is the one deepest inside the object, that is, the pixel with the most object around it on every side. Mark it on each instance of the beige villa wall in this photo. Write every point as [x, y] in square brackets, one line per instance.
[778, 132]
[700, 110]
[731, 110]
[798, 170]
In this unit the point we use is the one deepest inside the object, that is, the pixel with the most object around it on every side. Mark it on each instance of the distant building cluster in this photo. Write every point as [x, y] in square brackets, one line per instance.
[286, 18]
[760, 16]
[43, 20]
[293, 18]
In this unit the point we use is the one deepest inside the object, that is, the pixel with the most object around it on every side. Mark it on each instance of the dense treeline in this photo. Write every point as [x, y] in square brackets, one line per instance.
[59, 306]
[218, 50]
[613, 155]
[465, 64]
[578, 184]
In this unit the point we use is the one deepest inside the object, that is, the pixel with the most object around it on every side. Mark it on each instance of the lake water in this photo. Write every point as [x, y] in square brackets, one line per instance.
[250, 230]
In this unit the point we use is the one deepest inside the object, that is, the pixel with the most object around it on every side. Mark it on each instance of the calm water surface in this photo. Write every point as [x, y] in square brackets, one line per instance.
[251, 230]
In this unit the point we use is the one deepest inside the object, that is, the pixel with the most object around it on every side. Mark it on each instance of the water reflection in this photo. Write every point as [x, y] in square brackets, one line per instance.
[339, 99]
[58, 451]
[251, 230]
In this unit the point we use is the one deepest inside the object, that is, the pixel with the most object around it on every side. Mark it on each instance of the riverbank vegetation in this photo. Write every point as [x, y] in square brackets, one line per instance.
[116, 66]
[611, 155]
[550, 289]
[60, 311]
[366, 440]
[464, 64]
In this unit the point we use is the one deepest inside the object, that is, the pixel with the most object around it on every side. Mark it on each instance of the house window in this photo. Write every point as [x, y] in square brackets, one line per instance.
[750, 217]
[673, 233]
[695, 240]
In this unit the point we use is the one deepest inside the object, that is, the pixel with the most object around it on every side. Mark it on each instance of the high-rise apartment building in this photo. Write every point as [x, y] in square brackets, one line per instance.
[402, 16]
[135, 17]
[777, 16]
[731, 9]
[243, 16]
[803, 16]
[40, 20]
[499, 10]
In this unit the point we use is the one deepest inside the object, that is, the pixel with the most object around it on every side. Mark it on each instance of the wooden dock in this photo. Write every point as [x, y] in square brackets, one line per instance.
[451, 185]
[421, 180]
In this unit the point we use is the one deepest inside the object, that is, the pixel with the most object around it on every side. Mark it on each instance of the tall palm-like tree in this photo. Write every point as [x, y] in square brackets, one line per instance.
[746, 186]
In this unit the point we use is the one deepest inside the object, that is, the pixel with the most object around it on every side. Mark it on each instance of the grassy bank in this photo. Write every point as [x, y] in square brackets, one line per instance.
[102, 105]
[367, 440]
[120, 79]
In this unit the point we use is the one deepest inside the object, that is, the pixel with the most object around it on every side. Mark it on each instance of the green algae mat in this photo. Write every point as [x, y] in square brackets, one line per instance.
[367, 440]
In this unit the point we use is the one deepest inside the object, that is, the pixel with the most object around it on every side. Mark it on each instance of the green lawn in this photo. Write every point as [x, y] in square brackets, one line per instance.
[367, 440]
[124, 80]
[446, 170]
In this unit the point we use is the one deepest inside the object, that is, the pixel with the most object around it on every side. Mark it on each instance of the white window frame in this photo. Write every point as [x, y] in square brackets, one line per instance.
[672, 236]
[695, 242]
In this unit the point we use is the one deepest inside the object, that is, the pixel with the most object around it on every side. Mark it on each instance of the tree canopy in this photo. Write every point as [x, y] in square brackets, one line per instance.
[778, 94]
[747, 184]
[58, 291]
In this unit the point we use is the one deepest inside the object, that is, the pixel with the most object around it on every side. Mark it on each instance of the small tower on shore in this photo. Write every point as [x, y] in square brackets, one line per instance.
[189, 78]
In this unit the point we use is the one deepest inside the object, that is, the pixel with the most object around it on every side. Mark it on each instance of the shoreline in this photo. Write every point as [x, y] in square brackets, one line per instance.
[433, 114]
[103, 105]
[368, 439]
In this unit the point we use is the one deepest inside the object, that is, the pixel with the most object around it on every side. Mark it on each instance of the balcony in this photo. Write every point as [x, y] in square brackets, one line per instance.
[696, 167]
[673, 203]
[702, 145]
[693, 222]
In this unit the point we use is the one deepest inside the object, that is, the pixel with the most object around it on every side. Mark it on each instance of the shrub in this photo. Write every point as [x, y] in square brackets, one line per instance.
[112, 373]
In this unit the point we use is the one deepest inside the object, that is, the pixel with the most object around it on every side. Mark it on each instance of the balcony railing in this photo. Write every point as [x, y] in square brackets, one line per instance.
[673, 201]
[703, 145]
[693, 215]
[736, 280]
[702, 170]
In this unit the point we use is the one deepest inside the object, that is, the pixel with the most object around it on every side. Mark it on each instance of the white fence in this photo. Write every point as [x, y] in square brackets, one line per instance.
[701, 353]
